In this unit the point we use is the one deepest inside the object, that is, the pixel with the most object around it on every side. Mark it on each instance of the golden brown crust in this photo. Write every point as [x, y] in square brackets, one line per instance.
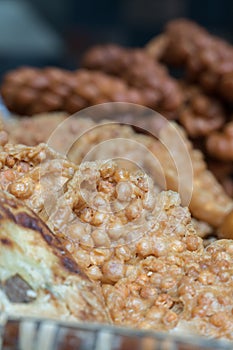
[35, 259]
[12, 209]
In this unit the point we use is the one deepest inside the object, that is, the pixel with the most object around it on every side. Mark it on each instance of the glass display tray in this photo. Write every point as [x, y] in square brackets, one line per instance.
[19, 333]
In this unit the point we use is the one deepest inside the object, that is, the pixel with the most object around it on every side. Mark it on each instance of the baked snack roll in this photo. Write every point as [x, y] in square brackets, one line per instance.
[160, 91]
[38, 277]
[28, 91]
[200, 113]
[207, 59]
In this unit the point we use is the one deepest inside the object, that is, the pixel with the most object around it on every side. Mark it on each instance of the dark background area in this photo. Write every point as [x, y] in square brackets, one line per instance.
[57, 32]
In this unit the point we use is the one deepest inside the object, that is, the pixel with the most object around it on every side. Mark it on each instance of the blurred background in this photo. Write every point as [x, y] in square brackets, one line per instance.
[57, 32]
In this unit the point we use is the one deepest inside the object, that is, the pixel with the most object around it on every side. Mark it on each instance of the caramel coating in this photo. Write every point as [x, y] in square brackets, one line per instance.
[209, 202]
[22, 174]
[105, 212]
[220, 144]
[154, 270]
[191, 292]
